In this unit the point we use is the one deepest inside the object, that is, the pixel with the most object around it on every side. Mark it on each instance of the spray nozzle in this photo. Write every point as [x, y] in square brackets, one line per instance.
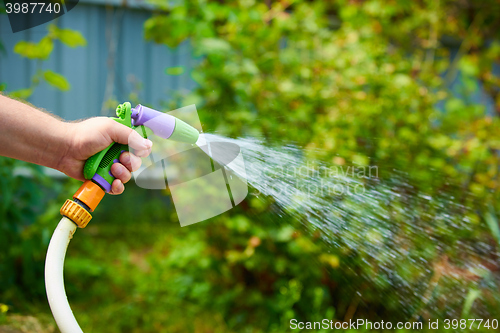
[164, 125]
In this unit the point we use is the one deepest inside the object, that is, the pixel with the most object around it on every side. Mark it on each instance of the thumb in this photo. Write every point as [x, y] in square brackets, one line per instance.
[127, 136]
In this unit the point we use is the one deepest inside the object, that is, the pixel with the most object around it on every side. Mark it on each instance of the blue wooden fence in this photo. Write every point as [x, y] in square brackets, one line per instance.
[87, 68]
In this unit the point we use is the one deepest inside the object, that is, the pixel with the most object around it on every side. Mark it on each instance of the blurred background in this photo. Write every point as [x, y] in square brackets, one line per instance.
[410, 87]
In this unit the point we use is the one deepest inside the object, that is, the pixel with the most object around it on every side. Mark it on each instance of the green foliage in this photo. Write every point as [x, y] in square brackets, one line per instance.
[367, 90]
[359, 83]
[24, 195]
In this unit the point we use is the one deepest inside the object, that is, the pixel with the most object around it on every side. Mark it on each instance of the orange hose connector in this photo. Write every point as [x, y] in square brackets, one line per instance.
[90, 194]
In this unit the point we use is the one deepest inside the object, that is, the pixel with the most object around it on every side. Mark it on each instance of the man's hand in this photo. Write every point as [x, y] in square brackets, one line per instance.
[37, 137]
[86, 138]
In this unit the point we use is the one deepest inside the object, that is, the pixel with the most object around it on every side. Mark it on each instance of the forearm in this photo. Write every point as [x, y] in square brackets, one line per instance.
[31, 135]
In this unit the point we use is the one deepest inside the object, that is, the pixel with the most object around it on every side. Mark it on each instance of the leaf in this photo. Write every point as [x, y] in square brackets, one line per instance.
[22, 93]
[492, 223]
[69, 37]
[56, 80]
[330, 259]
[468, 66]
[214, 46]
[174, 70]
[472, 295]
[40, 50]
[402, 80]
[360, 159]
[454, 105]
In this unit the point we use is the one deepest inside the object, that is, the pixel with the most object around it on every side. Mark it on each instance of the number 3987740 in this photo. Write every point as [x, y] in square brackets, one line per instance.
[32, 7]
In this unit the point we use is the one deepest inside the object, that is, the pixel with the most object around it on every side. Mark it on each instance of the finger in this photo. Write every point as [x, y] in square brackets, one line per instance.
[127, 136]
[130, 161]
[117, 187]
[141, 152]
[121, 172]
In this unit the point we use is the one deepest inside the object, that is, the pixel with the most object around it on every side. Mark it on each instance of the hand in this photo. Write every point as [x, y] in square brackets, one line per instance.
[86, 138]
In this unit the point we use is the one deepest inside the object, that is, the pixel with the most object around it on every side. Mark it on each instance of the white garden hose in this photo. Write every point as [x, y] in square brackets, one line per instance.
[54, 279]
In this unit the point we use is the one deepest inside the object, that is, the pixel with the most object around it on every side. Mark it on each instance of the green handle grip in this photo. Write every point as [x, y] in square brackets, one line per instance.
[98, 167]
[102, 162]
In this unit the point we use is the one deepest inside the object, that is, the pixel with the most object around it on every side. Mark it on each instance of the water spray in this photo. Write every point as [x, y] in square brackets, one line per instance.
[97, 172]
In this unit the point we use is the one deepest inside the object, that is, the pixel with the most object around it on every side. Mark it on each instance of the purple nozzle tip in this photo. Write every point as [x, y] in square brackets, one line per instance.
[161, 124]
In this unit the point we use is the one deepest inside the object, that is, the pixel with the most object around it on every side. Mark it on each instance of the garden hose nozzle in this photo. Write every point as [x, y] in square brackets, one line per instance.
[145, 121]
[97, 169]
